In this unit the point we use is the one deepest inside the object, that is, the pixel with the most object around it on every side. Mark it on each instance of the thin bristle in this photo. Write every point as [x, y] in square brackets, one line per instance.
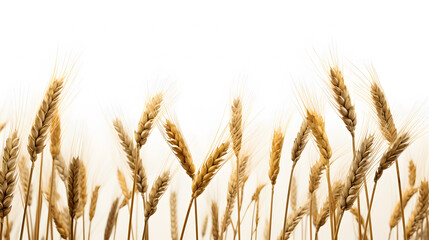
[173, 216]
[147, 119]
[343, 102]
[8, 174]
[50, 103]
[131, 152]
[357, 173]
[300, 141]
[275, 155]
[396, 215]
[73, 194]
[235, 125]
[180, 149]
[382, 110]
[111, 219]
[411, 173]
[93, 204]
[215, 220]
[420, 210]
[392, 154]
[158, 189]
[209, 169]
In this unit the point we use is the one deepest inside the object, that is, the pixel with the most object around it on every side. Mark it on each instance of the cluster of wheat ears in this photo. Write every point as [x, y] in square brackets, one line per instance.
[348, 194]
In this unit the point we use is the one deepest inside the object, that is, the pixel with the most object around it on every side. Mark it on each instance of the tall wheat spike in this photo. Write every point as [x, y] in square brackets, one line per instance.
[420, 210]
[293, 221]
[39, 129]
[147, 119]
[396, 215]
[205, 223]
[92, 207]
[60, 223]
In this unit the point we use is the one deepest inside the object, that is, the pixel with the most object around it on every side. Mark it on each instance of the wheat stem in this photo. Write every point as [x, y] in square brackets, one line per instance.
[26, 201]
[132, 193]
[400, 197]
[288, 194]
[196, 219]
[271, 212]
[186, 218]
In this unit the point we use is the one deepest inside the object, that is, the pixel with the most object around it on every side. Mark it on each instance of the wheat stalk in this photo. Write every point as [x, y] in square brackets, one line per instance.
[420, 210]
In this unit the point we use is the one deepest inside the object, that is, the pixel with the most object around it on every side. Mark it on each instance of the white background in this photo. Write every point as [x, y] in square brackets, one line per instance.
[205, 52]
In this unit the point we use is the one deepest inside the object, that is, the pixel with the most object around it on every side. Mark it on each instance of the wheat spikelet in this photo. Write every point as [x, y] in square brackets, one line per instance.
[230, 201]
[55, 134]
[180, 149]
[61, 167]
[51, 101]
[420, 210]
[23, 177]
[83, 196]
[323, 215]
[357, 173]
[300, 141]
[396, 215]
[73, 190]
[93, 204]
[293, 220]
[131, 152]
[236, 125]
[147, 119]
[315, 175]
[275, 155]
[382, 110]
[111, 219]
[209, 168]
[205, 223]
[215, 221]
[60, 223]
[411, 173]
[392, 154]
[343, 102]
[317, 126]
[8, 174]
[158, 189]
[123, 185]
[173, 216]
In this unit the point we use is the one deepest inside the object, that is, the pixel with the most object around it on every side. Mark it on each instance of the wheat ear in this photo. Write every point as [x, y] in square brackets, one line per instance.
[205, 223]
[8, 174]
[411, 173]
[230, 201]
[60, 223]
[173, 216]
[293, 221]
[39, 129]
[420, 210]
[273, 172]
[147, 119]
[396, 215]
[73, 191]
[177, 143]
[215, 221]
[205, 174]
[316, 172]
[323, 215]
[111, 219]
[92, 207]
